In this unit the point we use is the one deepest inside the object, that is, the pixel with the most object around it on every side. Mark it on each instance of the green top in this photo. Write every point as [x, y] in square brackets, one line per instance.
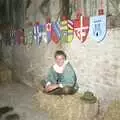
[67, 78]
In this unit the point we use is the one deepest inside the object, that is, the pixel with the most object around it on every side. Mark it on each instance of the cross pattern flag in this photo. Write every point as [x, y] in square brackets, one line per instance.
[81, 28]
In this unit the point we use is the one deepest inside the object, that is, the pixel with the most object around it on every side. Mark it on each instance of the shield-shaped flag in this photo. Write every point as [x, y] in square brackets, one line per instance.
[64, 30]
[12, 35]
[37, 32]
[44, 34]
[19, 36]
[56, 28]
[28, 36]
[48, 30]
[81, 28]
[98, 27]
[56, 32]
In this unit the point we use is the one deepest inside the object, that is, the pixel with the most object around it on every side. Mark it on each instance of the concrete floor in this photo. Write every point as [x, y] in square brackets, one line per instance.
[20, 96]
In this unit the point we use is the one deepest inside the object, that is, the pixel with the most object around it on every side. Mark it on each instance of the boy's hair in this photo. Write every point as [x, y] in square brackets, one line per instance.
[60, 52]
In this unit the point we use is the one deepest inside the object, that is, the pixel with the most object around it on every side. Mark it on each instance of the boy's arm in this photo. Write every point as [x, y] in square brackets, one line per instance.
[51, 78]
[69, 78]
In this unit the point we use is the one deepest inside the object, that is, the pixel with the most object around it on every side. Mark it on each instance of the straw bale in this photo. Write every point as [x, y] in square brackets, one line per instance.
[68, 107]
[5, 73]
[113, 112]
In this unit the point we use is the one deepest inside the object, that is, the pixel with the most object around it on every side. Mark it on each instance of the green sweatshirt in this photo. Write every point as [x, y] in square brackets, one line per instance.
[67, 78]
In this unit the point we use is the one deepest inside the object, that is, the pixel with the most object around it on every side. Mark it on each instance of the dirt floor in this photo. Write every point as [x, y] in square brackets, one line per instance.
[19, 96]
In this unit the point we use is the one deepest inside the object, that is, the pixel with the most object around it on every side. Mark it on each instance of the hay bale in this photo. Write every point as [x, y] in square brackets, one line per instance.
[113, 112]
[5, 73]
[68, 107]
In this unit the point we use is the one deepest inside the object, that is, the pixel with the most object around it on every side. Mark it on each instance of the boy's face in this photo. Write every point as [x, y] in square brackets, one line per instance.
[59, 60]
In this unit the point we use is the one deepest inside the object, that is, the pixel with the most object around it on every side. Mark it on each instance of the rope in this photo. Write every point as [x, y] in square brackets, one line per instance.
[102, 4]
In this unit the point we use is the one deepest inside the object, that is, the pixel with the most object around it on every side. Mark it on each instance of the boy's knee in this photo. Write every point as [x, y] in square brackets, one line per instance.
[43, 83]
[68, 90]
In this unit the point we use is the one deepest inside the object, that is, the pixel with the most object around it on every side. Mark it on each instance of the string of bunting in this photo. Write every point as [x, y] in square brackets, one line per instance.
[64, 30]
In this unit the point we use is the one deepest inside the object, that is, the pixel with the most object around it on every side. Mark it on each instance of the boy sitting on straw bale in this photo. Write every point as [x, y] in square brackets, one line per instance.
[61, 77]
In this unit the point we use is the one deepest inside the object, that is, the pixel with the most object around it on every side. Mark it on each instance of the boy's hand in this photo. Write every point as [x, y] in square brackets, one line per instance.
[51, 87]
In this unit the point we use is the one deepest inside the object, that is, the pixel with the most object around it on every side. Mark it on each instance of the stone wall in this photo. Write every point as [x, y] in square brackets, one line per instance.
[12, 12]
[97, 64]
[7, 55]
[31, 64]
[34, 13]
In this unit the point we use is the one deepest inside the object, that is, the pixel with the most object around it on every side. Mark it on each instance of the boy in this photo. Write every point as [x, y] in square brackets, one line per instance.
[61, 76]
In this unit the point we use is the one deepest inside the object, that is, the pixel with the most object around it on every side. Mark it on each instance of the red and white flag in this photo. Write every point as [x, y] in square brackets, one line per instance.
[81, 28]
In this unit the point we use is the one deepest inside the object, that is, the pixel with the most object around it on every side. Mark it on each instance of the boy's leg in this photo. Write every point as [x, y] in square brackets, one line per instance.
[43, 83]
[69, 90]
[57, 91]
[63, 91]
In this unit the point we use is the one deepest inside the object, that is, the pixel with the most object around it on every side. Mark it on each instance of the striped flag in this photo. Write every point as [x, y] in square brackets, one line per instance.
[64, 30]
[37, 32]
[70, 31]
